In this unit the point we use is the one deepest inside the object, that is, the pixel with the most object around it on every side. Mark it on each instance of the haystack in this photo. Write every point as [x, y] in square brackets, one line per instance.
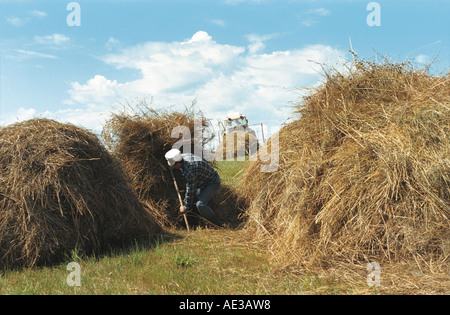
[60, 191]
[236, 145]
[364, 171]
[140, 138]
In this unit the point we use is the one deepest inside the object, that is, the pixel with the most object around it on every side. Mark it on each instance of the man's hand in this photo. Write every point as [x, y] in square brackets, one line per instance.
[182, 209]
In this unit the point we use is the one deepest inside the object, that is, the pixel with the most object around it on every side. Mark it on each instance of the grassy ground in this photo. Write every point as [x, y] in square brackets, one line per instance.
[200, 262]
[206, 262]
[231, 171]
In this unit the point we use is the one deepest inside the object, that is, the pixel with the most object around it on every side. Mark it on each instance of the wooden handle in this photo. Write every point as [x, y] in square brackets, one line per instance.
[179, 198]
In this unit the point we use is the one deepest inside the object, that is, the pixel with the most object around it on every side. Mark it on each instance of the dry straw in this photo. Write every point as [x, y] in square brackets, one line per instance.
[62, 191]
[364, 172]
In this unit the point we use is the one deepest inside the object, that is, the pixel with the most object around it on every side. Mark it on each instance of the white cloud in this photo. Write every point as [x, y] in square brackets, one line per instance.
[223, 78]
[113, 43]
[309, 22]
[96, 90]
[263, 85]
[38, 14]
[52, 40]
[16, 21]
[20, 115]
[288, 68]
[21, 21]
[311, 17]
[219, 22]
[91, 116]
[169, 66]
[257, 42]
[29, 53]
[422, 59]
[319, 11]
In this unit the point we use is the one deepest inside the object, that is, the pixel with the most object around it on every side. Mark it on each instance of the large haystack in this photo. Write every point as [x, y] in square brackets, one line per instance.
[140, 138]
[60, 191]
[364, 172]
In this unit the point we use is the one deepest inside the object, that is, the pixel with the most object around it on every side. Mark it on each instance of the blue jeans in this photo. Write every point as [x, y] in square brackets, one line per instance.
[205, 196]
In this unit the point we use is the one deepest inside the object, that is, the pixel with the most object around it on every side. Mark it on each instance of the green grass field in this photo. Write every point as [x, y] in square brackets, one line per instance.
[202, 262]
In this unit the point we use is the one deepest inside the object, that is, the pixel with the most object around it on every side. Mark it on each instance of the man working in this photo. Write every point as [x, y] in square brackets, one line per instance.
[198, 175]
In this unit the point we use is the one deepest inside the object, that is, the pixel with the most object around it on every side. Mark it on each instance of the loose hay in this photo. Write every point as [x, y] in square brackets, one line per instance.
[60, 191]
[364, 172]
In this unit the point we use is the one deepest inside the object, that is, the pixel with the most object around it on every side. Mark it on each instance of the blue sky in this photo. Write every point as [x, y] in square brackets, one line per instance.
[230, 55]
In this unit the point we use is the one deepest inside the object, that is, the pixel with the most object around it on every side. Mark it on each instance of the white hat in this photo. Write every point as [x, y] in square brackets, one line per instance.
[173, 156]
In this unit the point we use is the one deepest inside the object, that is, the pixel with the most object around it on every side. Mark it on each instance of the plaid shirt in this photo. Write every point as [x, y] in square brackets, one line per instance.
[198, 174]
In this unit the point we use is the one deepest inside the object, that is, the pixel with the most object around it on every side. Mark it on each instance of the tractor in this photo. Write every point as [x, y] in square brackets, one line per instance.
[237, 138]
[235, 122]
